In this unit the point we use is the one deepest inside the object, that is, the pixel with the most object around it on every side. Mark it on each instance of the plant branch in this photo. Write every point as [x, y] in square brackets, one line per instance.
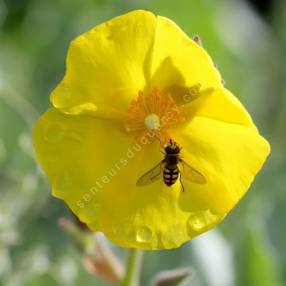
[133, 268]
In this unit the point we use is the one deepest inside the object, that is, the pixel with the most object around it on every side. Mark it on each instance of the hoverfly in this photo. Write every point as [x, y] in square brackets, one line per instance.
[172, 167]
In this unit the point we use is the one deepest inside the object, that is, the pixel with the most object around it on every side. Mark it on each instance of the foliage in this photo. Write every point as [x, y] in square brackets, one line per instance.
[249, 246]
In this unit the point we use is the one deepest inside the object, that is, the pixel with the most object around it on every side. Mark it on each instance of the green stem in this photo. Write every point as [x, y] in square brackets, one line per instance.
[133, 268]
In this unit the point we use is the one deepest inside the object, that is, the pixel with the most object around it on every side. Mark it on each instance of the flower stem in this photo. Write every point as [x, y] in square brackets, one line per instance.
[133, 268]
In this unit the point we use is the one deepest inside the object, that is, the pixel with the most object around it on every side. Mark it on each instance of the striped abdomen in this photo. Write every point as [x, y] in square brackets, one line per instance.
[170, 176]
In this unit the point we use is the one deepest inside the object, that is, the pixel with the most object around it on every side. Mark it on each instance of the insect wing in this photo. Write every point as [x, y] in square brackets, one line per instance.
[192, 174]
[152, 175]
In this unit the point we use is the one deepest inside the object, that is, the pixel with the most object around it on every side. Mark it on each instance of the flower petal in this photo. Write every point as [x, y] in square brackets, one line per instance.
[218, 104]
[229, 156]
[77, 153]
[93, 167]
[178, 61]
[106, 66]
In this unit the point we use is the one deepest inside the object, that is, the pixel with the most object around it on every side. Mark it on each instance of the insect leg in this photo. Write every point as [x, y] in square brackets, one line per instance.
[182, 186]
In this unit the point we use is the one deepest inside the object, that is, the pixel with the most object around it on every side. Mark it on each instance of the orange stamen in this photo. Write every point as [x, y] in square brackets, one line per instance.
[154, 113]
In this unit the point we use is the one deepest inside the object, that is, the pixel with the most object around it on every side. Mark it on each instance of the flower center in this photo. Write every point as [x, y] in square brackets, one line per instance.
[152, 121]
[152, 115]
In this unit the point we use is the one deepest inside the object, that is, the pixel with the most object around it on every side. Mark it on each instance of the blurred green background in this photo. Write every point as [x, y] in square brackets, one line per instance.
[246, 40]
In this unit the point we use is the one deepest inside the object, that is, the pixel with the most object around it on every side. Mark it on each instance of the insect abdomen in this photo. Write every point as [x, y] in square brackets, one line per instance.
[170, 176]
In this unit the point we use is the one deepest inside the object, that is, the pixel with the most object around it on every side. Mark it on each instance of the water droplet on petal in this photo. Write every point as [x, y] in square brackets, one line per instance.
[54, 132]
[144, 234]
[201, 220]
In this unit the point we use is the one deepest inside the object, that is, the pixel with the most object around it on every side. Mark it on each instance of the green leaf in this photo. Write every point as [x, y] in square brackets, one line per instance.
[258, 265]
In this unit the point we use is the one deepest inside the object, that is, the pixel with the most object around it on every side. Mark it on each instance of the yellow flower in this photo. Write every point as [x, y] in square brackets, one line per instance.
[131, 84]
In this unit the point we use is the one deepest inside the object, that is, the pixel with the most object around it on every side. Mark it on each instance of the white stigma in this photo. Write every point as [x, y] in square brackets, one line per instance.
[152, 121]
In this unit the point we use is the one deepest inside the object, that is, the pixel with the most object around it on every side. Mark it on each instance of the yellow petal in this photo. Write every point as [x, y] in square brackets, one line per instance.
[178, 60]
[93, 167]
[229, 156]
[76, 152]
[218, 104]
[106, 66]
